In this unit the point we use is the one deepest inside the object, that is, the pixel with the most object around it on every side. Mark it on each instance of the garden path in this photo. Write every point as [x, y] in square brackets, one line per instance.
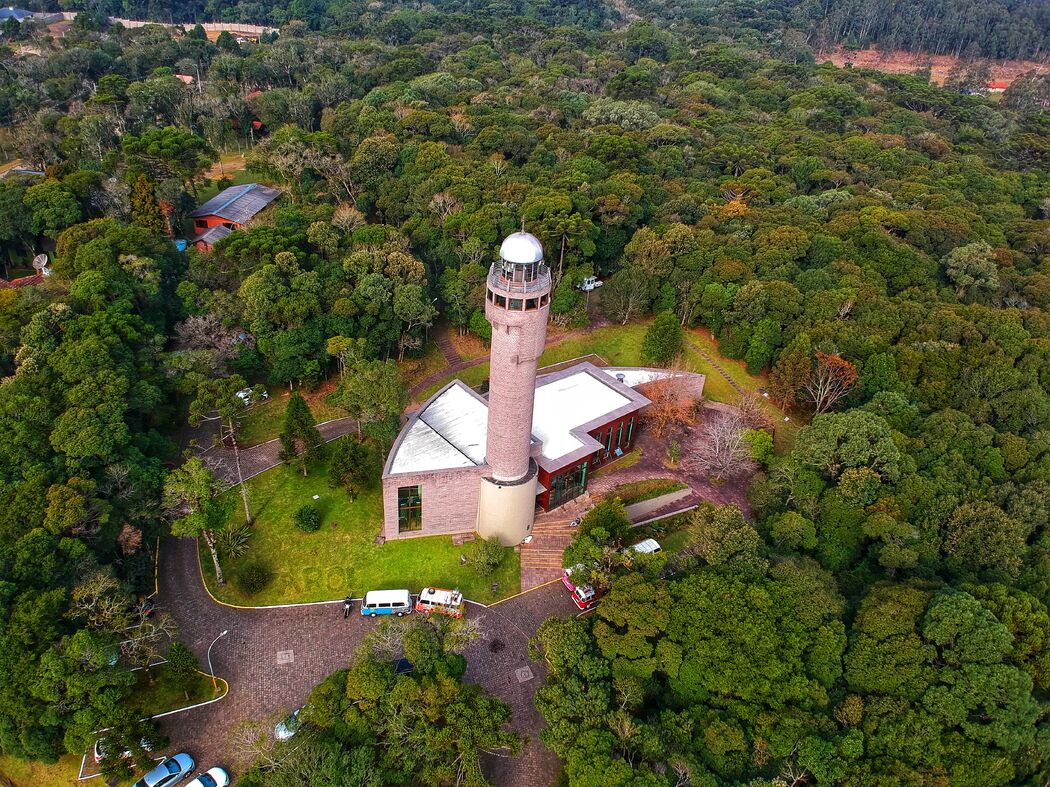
[273, 657]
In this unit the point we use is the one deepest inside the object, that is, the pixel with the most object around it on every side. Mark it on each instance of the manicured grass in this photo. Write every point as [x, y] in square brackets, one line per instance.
[342, 557]
[672, 533]
[630, 459]
[156, 693]
[415, 369]
[619, 345]
[264, 421]
[472, 376]
[237, 178]
[22, 773]
[647, 489]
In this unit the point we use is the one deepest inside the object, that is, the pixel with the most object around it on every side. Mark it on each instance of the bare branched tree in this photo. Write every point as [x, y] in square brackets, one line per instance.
[720, 449]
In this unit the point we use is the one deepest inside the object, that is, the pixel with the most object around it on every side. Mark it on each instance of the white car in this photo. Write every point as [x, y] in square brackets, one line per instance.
[171, 771]
[245, 395]
[100, 748]
[287, 728]
[213, 777]
[591, 283]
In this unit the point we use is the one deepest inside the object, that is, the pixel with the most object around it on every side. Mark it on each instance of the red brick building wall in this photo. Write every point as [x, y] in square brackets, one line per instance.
[205, 223]
[627, 437]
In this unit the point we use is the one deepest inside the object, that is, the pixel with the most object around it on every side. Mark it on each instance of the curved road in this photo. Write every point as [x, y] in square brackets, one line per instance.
[320, 641]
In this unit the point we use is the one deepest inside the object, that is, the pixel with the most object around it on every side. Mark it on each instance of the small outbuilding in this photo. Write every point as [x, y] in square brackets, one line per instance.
[227, 211]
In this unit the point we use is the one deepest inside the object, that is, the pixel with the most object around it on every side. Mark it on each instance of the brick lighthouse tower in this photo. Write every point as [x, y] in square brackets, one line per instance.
[517, 302]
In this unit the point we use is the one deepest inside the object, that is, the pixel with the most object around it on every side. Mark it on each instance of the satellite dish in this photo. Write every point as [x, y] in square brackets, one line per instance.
[40, 262]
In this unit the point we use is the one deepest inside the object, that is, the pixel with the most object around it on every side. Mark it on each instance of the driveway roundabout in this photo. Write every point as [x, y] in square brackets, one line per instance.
[273, 656]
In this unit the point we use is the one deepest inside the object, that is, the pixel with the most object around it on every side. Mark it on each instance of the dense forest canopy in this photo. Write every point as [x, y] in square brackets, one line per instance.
[1017, 29]
[827, 226]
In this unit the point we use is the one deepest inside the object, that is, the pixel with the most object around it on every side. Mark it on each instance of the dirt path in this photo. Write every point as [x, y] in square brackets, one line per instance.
[714, 364]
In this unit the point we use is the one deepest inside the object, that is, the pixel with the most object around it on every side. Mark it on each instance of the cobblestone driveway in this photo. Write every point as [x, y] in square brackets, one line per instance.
[321, 641]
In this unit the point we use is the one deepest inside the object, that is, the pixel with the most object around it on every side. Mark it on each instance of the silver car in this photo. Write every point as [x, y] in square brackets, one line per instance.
[172, 771]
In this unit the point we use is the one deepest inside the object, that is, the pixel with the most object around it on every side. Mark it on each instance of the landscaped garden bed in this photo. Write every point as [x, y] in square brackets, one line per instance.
[342, 556]
[646, 489]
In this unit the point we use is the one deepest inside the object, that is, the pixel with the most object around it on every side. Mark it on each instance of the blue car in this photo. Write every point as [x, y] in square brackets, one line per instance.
[172, 771]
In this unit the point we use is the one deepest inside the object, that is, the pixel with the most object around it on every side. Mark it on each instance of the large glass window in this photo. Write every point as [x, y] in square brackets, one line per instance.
[409, 508]
[568, 485]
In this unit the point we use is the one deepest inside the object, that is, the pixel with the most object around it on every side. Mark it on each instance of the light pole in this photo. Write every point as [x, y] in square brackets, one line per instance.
[214, 684]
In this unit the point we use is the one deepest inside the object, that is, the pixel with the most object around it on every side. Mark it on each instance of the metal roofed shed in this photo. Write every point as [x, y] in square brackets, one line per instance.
[18, 14]
[238, 204]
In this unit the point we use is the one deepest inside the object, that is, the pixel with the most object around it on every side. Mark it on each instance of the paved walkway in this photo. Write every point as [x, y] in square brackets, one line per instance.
[259, 458]
[272, 658]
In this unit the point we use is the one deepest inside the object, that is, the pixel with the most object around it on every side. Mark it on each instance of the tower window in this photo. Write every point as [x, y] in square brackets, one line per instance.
[530, 304]
[515, 304]
[488, 294]
[544, 299]
[501, 301]
[409, 509]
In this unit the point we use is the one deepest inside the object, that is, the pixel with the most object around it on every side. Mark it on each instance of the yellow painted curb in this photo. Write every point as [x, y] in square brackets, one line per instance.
[522, 593]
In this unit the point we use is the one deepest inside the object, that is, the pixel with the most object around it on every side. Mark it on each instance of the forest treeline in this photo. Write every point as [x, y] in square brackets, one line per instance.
[880, 617]
[1016, 29]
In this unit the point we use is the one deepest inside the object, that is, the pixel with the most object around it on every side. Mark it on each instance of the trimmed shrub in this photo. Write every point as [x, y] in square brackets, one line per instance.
[485, 555]
[254, 577]
[308, 519]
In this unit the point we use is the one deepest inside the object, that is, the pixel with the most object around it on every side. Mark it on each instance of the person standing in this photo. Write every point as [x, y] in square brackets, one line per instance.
[348, 603]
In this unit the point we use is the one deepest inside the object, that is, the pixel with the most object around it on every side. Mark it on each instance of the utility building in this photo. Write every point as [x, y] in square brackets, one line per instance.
[464, 463]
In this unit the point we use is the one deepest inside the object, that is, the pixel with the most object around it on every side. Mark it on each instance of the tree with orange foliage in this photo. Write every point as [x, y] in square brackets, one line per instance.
[831, 379]
[669, 408]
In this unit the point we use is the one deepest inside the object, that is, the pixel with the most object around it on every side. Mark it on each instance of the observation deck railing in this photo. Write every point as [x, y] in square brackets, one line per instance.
[498, 282]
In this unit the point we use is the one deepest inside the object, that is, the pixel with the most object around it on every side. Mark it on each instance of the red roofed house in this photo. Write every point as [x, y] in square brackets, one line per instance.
[997, 87]
[228, 211]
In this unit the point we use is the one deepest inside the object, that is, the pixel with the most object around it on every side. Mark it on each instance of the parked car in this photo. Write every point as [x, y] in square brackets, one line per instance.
[246, 395]
[287, 728]
[100, 746]
[172, 771]
[591, 283]
[213, 777]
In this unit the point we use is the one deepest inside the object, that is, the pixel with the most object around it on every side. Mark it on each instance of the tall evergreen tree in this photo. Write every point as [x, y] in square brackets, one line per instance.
[300, 438]
[145, 210]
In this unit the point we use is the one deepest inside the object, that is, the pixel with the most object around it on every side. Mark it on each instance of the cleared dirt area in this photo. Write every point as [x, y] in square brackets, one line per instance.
[901, 62]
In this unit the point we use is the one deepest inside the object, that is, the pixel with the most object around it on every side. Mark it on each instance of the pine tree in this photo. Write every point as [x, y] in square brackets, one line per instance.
[299, 433]
[145, 211]
[663, 340]
[790, 372]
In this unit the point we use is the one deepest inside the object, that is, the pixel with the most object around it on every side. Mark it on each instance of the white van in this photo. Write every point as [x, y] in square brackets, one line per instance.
[386, 602]
[648, 547]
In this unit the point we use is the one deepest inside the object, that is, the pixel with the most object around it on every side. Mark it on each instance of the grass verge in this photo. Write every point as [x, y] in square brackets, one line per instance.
[342, 556]
[156, 693]
[646, 489]
[23, 773]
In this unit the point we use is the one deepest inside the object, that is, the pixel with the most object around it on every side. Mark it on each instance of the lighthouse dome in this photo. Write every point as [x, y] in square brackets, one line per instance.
[521, 248]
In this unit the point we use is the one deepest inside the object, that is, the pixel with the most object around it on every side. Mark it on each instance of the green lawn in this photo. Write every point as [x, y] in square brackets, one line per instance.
[264, 421]
[619, 345]
[22, 773]
[237, 178]
[639, 491]
[155, 693]
[342, 556]
[630, 459]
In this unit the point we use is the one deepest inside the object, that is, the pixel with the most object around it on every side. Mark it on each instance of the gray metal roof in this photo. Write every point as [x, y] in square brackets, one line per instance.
[238, 203]
[213, 235]
[15, 13]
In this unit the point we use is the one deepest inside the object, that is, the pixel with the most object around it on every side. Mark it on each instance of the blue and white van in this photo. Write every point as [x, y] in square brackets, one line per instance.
[386, 602]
